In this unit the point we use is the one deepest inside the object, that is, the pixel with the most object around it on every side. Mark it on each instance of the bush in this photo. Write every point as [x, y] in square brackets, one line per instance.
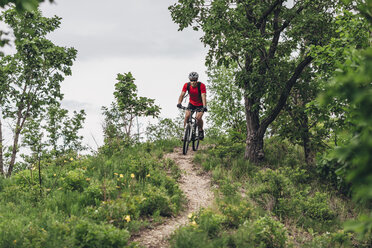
[87, 234]
[264, 232]
[237, 214]
[328, 240]
[209, 222]
[75, 180]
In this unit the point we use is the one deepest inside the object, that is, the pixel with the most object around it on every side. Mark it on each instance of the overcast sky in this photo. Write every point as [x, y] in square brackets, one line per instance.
[119, 36]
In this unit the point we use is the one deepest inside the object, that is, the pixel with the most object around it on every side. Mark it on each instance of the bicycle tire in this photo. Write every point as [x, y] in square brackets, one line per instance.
[195, 140]
[186, 139]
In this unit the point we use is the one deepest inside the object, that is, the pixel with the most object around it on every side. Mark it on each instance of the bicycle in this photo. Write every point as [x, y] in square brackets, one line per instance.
[191, 132]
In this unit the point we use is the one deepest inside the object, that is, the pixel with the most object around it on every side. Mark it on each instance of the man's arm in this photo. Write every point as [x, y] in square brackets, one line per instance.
[204, 99]
[180, 99]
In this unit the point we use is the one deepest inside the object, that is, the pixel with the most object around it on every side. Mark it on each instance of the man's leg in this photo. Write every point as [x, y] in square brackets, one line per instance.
[187, 116]
[199, 117]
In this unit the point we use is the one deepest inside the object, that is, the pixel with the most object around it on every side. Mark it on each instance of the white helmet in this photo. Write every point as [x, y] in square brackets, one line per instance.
[193, 76]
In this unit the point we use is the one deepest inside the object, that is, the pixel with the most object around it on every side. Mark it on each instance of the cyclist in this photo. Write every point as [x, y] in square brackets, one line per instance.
[198, 99]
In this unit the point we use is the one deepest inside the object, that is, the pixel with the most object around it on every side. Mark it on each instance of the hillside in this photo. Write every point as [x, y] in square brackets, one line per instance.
[140, 195]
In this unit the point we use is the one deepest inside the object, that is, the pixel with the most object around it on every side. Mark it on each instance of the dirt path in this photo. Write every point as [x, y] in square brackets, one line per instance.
[198, 192]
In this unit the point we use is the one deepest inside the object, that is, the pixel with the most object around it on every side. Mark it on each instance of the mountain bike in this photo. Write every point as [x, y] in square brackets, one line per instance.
[191, 133]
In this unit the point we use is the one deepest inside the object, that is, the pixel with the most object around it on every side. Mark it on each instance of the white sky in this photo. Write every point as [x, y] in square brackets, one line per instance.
[118, 36]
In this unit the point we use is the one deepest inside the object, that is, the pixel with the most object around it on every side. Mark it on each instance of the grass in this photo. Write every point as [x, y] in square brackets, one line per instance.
[282, 195]
[92, 201]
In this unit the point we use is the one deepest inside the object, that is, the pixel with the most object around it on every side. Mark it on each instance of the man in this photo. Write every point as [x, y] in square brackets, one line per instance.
[198, 100]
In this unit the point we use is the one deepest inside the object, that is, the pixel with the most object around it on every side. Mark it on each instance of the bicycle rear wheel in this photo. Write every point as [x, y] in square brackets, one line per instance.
[186, 138]
[195, 140]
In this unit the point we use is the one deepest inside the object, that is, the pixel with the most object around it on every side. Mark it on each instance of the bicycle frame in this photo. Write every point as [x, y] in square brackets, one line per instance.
[191, 131]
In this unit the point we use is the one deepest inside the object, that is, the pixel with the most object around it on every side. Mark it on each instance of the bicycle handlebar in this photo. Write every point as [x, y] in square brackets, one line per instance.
[196, 110]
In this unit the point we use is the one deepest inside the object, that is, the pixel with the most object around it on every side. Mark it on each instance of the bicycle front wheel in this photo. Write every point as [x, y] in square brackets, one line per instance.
[195, 140]
[186, 138]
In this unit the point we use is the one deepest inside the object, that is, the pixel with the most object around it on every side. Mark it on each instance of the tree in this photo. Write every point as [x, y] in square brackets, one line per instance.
[304, 120]
[270, 41]
[165, 129]
[226, 106]
[20, 5]
[51, 135]
[62, 130]
[119, 118]
[34, 72]
[353, 86]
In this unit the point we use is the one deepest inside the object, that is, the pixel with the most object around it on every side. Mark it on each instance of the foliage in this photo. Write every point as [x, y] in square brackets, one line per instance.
[120, 116]
[270, 42]
[91, 201]
[22, 5]
[34, 73]
[304, 121]
[352, 86]
[280, 203]
[165, 129]
[226, 108]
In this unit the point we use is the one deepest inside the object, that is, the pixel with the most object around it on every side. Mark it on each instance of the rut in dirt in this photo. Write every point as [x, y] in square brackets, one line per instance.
[196, 187]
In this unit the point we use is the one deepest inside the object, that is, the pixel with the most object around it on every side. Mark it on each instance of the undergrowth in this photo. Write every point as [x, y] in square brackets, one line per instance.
[90, 201]
[281, 202]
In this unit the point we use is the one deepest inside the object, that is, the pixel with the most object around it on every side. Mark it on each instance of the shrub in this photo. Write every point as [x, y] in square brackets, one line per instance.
[264, 232]
[237, 214]
[87, 234]
[75, 180]
[273, 185]
[209, 222]
[155, 200]
[190, 237]
[328, 240]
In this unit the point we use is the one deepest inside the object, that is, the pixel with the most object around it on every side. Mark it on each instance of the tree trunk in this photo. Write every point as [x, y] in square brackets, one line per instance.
[254, 142]
[1, 150]
[15, 144]
[255, 129]
[306, 141]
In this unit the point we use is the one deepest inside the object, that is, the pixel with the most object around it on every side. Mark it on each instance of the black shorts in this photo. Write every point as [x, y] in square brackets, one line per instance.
[193, 107]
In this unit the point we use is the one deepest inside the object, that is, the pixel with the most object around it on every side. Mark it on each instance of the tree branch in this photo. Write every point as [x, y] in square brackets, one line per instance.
[288, 21]
[284, 95]
[262, 19]
[248, 12]
[275, 41]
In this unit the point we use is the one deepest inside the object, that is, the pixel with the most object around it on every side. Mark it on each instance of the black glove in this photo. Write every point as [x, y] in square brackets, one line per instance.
[205, 109]
[179, 105]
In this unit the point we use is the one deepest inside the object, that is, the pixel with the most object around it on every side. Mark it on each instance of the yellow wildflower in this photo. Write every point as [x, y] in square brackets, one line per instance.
[127, 218]
[116, 174]
[190, 215]
[148, 175]
[14, 241]
[65, 161]
[132, 175]
[71, 159]
[55, 175]
[121, 175]
[118, 187]
[194, 223]
[88, 179]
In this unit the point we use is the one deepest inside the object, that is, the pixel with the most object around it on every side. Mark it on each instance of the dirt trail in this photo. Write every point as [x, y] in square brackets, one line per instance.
[198, 192]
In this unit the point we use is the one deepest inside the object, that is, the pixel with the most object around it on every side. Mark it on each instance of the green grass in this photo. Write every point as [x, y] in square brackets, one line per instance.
[279, 203]
[91, 201]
